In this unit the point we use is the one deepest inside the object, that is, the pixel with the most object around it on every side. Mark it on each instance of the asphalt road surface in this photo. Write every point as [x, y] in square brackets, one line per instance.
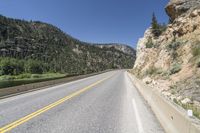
[105, 103]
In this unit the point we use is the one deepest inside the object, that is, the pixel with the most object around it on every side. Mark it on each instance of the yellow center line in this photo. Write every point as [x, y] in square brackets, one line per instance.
[22, 120]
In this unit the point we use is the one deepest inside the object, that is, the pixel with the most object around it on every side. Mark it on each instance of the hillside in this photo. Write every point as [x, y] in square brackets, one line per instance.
[56, 51]
[170, 62]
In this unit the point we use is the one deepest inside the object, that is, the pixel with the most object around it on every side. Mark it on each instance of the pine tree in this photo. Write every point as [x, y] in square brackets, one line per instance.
[154, 23]
[156, 28]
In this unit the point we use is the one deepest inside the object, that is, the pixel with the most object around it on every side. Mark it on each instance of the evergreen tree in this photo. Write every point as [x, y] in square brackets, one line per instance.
[154, 23]
[155, 26]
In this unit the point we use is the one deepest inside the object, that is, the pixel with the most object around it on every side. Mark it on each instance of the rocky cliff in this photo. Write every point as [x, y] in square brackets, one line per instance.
[171, 62]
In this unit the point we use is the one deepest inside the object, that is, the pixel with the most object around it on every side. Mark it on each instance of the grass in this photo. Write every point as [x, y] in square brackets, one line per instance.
[28, 76]
[22, 79]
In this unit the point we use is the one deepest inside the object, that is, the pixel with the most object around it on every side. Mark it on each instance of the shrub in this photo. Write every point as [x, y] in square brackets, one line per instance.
[175, 68]
[174, 46]
[153, 70]
[33, 66]
[175, 100]
[11, 66]
[198, 63]
[196, 51]
[149, 44]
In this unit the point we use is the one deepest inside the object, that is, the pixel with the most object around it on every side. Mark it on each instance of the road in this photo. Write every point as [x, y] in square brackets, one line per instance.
[105, 103]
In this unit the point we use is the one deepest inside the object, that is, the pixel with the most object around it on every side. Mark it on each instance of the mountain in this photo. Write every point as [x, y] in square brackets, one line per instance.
[121, 47]
[57, 51]
[170, 62]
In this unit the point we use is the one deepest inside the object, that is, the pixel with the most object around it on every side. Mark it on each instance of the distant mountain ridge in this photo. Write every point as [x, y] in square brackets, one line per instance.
[60, 52]
[121, 47]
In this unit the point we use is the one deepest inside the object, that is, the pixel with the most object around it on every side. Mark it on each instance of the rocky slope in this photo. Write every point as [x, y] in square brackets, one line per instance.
[60, 52]
[171, 62]
[121, 47]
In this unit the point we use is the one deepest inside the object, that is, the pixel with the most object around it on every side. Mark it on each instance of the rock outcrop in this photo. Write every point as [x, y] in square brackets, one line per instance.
[121, 47]
[171, 62]
[176, 8]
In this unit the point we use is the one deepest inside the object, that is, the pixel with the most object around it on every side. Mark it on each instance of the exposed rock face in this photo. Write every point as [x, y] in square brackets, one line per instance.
[176, 8]
[170, 63]
[121, 47]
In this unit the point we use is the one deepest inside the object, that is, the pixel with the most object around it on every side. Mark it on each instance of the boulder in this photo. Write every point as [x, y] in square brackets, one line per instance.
[186, 101]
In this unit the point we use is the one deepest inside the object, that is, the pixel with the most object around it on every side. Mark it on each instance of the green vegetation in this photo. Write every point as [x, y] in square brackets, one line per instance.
[173, 47]
[195, 109]
[196, 53]
[173, 89]
[175, 68]
[12, 66]
[196, 50]
[149, 44]
[153, 71]
[175, 101]
[33, 66]
[157, 29]
[28, 76]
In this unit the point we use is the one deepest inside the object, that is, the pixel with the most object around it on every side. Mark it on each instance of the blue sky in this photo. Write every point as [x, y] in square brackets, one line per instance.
[100, 21]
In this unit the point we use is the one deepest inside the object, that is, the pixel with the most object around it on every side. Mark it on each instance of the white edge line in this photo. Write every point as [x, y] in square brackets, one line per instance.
[138, 120]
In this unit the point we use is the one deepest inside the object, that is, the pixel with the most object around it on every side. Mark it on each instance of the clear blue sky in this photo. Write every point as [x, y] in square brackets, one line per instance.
[121, 21]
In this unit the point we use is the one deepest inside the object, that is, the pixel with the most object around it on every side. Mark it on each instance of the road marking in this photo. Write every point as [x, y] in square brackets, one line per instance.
[138, 120]
[22, 120]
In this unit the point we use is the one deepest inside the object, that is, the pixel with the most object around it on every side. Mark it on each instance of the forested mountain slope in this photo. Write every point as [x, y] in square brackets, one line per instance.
[47, 48]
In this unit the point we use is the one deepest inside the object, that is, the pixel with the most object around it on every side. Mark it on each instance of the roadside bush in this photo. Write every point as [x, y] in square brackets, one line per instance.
[11, 66]
[7, 77]
[34, 67]
[175, 68]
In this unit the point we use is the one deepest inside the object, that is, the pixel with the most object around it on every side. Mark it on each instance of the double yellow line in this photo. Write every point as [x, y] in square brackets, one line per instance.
[22, 120]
